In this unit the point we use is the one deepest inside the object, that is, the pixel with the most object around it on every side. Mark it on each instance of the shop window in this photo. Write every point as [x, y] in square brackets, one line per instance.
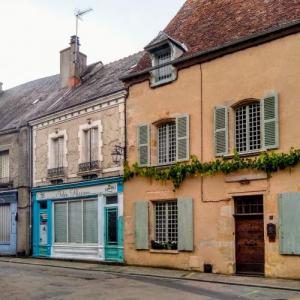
[166, 224]
[76, 222]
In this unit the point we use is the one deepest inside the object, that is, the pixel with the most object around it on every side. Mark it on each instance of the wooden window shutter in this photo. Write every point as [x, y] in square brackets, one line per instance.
[143, 138]
[94, 143]
[185, 224]
[289, 233]
[221, 130]
[141, 225]
[182, 138]
[4, 164]
[270, 121]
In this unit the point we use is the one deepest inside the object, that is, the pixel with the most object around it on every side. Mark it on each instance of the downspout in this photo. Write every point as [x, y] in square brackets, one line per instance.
[30, 188]
[201, 131]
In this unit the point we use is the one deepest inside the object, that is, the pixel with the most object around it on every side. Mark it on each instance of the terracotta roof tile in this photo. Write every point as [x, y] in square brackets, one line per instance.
[205, 24]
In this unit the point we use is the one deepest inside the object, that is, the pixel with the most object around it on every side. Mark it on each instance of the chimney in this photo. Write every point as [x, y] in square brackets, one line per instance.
[1, 90]
[72, 64]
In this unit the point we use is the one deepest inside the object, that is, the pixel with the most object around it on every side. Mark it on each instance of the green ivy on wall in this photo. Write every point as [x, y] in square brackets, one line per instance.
[268, 162]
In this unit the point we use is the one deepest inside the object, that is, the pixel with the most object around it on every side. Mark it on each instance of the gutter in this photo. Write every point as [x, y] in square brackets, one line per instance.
[228, 48]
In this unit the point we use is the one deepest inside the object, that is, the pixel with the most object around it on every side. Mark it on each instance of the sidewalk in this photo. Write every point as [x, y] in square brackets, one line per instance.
[293, 285]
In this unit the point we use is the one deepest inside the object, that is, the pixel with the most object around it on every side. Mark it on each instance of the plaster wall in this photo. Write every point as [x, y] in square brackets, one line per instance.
[251, 73]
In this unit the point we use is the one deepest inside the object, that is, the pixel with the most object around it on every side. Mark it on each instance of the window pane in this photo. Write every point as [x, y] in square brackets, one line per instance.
[166, 71]
[87, 145]
[111, 200]
[172, 222]
[90, 221]
[112, 226]
[241, 129]
[160, 222]
[94, 144]
[75, 222]
[254, 126]
[60, 222]
[162, 144]
[172, 142]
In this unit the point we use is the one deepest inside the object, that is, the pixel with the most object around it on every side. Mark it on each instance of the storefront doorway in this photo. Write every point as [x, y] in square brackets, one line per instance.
[249, 235]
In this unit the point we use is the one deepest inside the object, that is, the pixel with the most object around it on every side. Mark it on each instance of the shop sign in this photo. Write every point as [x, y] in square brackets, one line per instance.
[77, 192]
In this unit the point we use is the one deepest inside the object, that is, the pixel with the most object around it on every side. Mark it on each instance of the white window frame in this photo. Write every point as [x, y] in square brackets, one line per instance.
[167, 124]
[167, 204]
[82, 225]
[248, 150]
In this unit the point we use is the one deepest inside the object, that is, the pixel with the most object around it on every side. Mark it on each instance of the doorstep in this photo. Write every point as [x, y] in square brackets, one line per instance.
[117, 268]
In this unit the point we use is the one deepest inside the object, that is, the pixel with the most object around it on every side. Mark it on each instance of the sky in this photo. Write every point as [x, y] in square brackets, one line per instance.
[32, 32]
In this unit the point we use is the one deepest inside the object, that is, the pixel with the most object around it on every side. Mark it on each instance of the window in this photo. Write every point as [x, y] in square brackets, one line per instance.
[167, 143]
[163, 57]
[91, 147]
[248, 127]
[58, 152]
[166, 222]
[76, 222]
[4, 166]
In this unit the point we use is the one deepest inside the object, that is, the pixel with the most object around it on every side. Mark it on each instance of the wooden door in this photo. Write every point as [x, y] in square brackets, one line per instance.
[250, 249]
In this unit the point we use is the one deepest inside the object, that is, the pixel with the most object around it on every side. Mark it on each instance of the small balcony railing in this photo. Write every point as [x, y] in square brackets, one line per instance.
[5, 182]
[89, 166]
[56, 172]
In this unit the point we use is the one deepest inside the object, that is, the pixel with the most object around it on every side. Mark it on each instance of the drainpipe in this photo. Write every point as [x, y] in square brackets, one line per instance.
[30, 187]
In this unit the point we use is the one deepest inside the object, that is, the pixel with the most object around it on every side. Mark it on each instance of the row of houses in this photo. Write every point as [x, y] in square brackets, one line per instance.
[166, 157]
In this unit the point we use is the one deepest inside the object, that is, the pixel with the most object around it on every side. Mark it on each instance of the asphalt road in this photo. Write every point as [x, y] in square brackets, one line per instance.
[18, 281]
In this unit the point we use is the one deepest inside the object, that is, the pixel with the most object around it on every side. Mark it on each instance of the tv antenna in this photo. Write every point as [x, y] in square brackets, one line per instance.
[79, 14]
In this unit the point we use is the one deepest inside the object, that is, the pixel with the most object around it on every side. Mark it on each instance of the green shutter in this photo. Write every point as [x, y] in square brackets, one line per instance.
[141, 225]
[270, 121]
[185, 224]
[143, 139]
[221, 130]
[182, 138]
[289, 223]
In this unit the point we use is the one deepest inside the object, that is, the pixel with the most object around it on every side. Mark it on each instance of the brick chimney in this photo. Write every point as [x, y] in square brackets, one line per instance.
[72, 64]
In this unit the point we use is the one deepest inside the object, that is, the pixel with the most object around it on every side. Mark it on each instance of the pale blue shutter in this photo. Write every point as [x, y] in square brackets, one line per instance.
[60, 222]
[90, 221]
[185, 224]
[221, 130]
[141, 225]
[143, 139]
[75, 222]
[289, 218]
[182, 138]
[270, 121]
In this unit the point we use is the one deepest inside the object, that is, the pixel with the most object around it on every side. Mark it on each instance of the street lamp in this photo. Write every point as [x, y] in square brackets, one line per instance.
[117, 154]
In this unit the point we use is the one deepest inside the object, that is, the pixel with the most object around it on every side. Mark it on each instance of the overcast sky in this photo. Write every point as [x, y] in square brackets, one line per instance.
[32, 32]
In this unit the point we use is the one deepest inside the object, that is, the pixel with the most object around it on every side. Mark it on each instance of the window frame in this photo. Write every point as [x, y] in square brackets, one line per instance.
[235, 108]
[166, 203]
[88, 157]
[158, 126]
[2, 168]
[67, 221]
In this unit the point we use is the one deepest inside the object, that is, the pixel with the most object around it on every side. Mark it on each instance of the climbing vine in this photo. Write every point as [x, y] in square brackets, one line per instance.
[268, 162]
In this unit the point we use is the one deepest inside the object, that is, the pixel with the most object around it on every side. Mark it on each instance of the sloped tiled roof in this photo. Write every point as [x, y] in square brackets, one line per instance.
[44, 96]
[204, 24]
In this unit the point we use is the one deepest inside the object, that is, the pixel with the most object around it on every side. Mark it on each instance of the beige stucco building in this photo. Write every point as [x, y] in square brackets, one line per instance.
[241, 96]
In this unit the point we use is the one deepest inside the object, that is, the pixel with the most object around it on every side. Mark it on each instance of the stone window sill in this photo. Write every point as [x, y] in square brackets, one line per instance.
[164, 251]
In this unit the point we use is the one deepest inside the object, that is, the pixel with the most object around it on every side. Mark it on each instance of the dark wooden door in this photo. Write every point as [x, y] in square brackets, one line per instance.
[250, 248]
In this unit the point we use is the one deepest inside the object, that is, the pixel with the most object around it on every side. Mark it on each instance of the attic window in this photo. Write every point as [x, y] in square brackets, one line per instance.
[163, 57]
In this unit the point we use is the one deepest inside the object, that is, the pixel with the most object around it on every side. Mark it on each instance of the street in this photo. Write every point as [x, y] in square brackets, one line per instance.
[20, 281]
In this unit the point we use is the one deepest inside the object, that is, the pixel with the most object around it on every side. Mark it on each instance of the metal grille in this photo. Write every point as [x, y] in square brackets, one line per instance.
[247, 127]
[167, 143]
[166, 71]
[249, 205]
[166, 221]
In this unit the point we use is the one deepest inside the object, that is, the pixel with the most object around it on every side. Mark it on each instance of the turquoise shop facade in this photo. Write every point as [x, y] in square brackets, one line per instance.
[81, 220]
[8, 222]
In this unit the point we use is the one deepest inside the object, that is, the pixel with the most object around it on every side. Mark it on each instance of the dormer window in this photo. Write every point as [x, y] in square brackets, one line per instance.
[163, 50]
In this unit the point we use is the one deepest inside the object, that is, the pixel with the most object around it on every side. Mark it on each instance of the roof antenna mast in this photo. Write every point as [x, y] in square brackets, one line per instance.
[78, 15]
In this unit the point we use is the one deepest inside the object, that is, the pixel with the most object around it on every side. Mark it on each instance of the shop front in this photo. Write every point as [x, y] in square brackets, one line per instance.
[8, 222]
[79, 221]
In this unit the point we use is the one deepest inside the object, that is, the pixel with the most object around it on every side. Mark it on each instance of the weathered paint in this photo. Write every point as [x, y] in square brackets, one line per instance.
[185, 224]
[251, 73]
[141, 225]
